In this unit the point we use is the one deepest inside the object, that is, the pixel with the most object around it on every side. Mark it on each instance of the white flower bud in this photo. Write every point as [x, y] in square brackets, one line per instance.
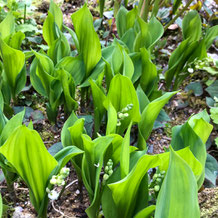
[105, 177]
[190, 70]
[53, 195]
[156, 188]
[53, 180]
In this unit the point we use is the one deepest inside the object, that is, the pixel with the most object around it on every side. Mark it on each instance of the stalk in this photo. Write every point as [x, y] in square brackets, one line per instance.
[24, 16]
[102, 3]
[178, 15]
[116, 7]
[145, 10]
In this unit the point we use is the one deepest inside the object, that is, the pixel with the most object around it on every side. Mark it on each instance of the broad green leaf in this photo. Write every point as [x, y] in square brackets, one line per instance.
[63, 157]
[179, 189]
[193, 133]
[191, 26]
[76, 131]
[149, 116]
[145, 213]
[214, 114]
[74, 37]
[210, 36]
[65, 134]
[57, 14]
[111, 119]
[13, 61]
[59, 49]
[7, 26]
[124, 158]
[10, 126]
[121, 20]
[211, 169]
[149, 73]
[68, 86]
[91, 169]
[143, 99]
[90, 47]
[16, 40]
[49, 29]
[149, 33]
[1, 206]
[98, 99]
[108, 205]
[75, 66]
[44, 71]
[130, 184]
[213, 89]
[174, 60]
[121, 93]
[176, 4]
[26, 152]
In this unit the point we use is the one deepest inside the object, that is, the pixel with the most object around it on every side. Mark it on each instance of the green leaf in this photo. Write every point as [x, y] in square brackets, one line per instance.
[111, 119]
[90, 47]
[43, 70]
[191, 26]
[27, 154]
[149, 33]
[13, 61]
[214, 114]
[7, 26]
[75, 66]
[1, 206]
[49, 29]
[143, 99]
[98, 99]
[125, 148]
[10, 126]
[149, 116]
[179, 189]
[121, 93]
[16, 40]
[149, 73]
[193, 133]
[65, 134]
[210, 36]
[213, 89]
[91, 169]
[59, 49]
[57, 14]
[69, 91]
[196, 87]
[211, 169]
[121, 21]
[145, 213]
[130, 184]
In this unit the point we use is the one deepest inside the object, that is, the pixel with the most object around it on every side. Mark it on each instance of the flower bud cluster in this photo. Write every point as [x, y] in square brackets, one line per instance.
[123, 114]
[108, 170]
[199, 64]
[59, 179]
[157, 180]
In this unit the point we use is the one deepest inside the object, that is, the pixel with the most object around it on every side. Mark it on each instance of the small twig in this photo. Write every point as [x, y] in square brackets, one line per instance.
[5, 187]
[76, 180]
[58, 210]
